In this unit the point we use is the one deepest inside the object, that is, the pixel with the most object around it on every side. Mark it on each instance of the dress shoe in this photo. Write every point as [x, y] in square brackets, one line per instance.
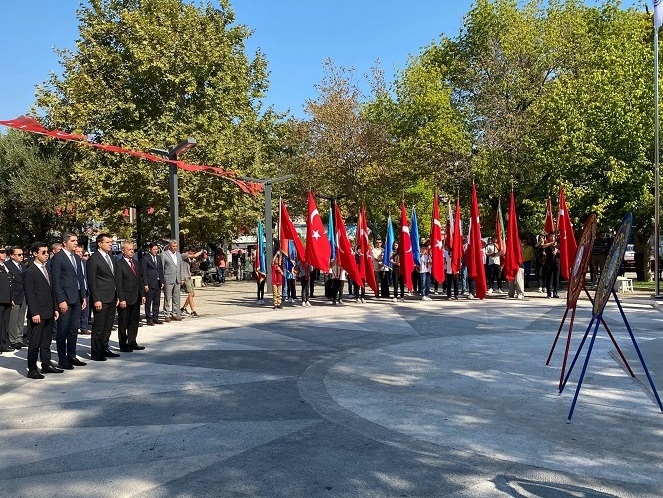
[167, 319]
[17, 345]
[50, 369]
[136, 347]
[86, 332]
[66, 366]
[158, 322]
[34, 374]
[76, 362]
[125, 349]
[177, 318]
[109, 354]
[7, 349]
[97, 357]
[150, 322]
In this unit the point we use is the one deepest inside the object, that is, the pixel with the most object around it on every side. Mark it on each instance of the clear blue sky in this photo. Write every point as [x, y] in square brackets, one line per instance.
[295, 35]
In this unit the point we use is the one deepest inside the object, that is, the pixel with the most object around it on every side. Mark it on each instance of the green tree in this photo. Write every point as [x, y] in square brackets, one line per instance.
[35, 199]
[338, 151]
[149, 73]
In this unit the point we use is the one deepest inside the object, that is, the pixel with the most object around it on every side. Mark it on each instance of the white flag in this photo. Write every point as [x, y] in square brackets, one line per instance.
[658, 13]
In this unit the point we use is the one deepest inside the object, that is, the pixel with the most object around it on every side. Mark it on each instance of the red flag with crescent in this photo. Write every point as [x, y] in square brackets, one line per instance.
[318, 250]
[344, 253]
[475, 250]
[567, 240]
[514, 254]
[437, 244]
[289, 232]
[366, 259]
[550, 222]
[405, 250]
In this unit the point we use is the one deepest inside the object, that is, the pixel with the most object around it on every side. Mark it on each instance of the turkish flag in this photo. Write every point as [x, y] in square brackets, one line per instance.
[318, 250]
[475, 250]
[514, 253]
[344, 254]
[406, 260]
[437, 244]
[287, 231]
[550, 223]
[456, 241]
[366, 259]
[567, 240]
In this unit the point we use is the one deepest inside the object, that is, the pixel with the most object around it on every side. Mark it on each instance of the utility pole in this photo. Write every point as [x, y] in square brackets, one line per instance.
[173, 154]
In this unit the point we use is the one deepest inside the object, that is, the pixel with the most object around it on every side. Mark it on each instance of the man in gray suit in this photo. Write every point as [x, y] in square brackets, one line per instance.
[171, 259]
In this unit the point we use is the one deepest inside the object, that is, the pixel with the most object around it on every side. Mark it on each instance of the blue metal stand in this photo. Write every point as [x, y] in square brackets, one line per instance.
[595, 321]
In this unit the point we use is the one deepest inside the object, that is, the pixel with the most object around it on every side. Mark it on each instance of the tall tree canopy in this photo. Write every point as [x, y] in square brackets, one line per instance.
[149, 73]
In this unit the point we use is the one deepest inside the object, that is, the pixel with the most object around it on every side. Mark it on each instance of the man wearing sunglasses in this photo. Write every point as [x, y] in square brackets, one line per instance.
[17, 335]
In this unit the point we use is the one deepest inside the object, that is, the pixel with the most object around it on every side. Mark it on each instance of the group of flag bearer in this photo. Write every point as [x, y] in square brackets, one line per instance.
[438, 258]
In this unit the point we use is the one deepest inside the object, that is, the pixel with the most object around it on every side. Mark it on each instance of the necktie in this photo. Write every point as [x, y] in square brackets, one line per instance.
[73, 262]
[45, 271]
[20, 267]
[154, 258]
[133, 267]
[110, 263]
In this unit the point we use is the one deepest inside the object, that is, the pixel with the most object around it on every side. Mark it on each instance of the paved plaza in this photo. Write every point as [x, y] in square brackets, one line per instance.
[416, 399]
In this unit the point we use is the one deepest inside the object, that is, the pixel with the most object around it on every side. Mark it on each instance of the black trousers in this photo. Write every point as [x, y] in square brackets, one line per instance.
[452, 279]
[127, 324]
[398, 282]
[152, 304]
[5, 312]
[39, 342]
[338, 289]
[102, 328]
[384, 284]
[67, 333]
[261, 289]
[304, 282]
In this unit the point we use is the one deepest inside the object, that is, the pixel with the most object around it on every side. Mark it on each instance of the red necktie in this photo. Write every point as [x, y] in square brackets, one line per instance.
[133, 267]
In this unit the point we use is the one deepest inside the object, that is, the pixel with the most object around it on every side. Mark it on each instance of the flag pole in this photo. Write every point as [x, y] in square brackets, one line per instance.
[656, 172]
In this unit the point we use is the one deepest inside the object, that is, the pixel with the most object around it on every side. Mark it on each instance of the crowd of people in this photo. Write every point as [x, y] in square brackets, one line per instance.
[540, 262]
[63, 290]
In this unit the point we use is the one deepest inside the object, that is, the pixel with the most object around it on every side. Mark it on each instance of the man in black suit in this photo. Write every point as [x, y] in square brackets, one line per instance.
[69, 287]
[17, 315]
[151, 271]
[6, 304]
[103, 296]
[129, 296]
[42, 312]
[85, 313]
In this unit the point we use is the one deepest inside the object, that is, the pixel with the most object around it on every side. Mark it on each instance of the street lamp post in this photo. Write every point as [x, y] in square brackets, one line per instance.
[267, 183]
[173, 154]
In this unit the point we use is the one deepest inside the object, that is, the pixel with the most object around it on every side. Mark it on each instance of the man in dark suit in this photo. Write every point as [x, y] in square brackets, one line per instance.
[6, 304]
[151, 271]
[17, 315]
[85, 313]
[130, 296]
[69, 287]
[103, 296]
[42, 312]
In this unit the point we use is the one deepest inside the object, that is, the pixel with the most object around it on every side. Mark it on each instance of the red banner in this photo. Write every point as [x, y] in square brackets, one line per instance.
[31, 125]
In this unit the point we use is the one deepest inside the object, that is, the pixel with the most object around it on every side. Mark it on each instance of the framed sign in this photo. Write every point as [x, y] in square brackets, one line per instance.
[581, 262]
[612, 264]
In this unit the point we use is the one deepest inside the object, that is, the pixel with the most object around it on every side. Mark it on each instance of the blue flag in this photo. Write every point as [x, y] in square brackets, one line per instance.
[331, 234]
[414, 237]
[261, 267]
[386, 257]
